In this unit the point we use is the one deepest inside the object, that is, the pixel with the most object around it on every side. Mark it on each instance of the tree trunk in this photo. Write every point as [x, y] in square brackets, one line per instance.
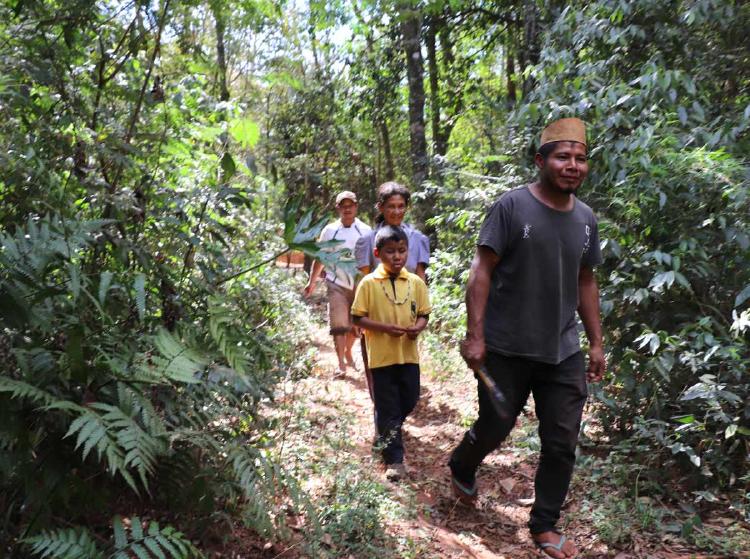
[434, 72]
[530, 41]
[510, 70]
[455, 93]
[221, 59]
[385, 136]
[411, 27]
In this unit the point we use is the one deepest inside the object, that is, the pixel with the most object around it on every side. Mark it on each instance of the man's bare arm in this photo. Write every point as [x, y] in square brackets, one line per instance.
[588, 310]
[317, 267]
[473, 349]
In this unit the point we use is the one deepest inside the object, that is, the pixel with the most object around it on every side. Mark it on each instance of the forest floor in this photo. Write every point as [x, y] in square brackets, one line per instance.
[325, 428]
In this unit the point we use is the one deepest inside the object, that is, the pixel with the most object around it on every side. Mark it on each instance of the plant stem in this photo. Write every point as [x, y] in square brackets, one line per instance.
[255, 267]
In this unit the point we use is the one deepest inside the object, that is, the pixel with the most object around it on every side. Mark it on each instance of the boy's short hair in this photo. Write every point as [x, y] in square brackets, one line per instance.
[390, 233]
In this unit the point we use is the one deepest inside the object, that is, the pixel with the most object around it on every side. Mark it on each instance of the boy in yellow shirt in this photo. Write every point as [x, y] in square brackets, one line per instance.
[392, 305]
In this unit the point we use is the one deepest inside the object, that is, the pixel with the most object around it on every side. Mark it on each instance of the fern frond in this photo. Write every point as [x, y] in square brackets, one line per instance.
[139, 286]
[135, 403]
[154, 542]
[93, 432]
[221, 326]
[140, 447]
[176, 361]
[26, 391]
[68, 543]
[262, 481]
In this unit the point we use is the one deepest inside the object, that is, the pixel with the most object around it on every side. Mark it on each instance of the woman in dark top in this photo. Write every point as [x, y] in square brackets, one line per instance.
[393, 201]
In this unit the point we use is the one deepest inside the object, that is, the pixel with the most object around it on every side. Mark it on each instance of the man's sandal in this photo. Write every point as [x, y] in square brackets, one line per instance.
[543, 546]
[466, 495]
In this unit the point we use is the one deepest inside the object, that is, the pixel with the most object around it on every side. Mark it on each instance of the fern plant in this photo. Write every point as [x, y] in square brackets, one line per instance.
[170, 415]
[127, 541]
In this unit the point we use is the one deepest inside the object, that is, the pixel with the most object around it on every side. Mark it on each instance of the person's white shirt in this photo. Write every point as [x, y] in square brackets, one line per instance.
[349, 235]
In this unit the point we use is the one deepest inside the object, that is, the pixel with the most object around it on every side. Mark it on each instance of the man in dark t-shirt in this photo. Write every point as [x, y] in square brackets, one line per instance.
[533, 269]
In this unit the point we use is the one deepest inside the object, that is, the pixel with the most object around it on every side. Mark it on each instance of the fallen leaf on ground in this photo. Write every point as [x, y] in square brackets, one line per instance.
[507, 484]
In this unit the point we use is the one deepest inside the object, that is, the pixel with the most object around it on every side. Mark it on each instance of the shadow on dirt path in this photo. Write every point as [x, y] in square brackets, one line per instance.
[438, 525]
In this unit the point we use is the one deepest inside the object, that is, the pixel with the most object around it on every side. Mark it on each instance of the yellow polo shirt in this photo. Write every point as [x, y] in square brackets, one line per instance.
[376, 300]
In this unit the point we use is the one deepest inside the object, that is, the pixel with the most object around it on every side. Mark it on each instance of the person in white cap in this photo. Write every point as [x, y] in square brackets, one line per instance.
[340, 283]
[532, 270]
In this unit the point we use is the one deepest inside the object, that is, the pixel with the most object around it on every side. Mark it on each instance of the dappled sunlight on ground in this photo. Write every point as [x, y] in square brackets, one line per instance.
[329, 430]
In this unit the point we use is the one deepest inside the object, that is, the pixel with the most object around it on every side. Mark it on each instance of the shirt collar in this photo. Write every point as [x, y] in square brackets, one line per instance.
[340, 225]
[380, 273]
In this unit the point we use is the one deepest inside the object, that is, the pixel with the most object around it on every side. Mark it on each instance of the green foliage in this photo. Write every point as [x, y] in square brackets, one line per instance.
[621, 502]
[65, 543]
[668, 114]
[154, 542]
[132, 378]
[670, 186]
[354, 517]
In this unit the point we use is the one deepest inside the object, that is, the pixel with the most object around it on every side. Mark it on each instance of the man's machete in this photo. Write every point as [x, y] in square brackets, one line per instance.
[498, 399]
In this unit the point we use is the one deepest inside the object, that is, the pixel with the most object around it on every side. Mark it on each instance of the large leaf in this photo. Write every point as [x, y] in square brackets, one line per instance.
[245, 131]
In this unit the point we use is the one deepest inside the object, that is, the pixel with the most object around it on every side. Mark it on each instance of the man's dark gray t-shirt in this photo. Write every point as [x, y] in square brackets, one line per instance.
[531, 309]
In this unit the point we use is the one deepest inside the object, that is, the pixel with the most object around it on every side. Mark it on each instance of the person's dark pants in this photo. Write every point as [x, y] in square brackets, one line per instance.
[395, 391]
[559, 393]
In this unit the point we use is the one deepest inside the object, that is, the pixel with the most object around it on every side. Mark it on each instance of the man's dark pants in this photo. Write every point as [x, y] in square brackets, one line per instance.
[559, 393]
[396, 391]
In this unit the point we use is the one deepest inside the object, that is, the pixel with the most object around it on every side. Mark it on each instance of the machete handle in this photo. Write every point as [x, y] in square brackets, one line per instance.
[498, 399]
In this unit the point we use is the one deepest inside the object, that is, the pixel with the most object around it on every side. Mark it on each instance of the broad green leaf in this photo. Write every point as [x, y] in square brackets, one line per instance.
[228, 166]
[75, 280]
[682, 114]
[245, 131]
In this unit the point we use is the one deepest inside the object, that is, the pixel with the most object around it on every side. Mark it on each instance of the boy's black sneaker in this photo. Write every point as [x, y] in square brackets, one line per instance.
[395, 472]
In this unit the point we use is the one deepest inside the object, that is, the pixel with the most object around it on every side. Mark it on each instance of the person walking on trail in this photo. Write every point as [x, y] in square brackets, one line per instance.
[340, 283]
[532, 270]
[392, 203]
[392, 305]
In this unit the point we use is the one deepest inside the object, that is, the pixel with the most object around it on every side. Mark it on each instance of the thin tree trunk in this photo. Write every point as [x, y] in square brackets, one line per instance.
[411, 27]
[530, 41]
[221, 59]
[455, 93]
[434, 86]
[510, 70]
[385, 136]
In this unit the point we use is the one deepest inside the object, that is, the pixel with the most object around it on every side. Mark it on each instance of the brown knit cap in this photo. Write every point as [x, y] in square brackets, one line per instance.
[565, 130]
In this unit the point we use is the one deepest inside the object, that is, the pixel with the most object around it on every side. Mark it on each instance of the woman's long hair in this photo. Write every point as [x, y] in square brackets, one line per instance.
[385, 191]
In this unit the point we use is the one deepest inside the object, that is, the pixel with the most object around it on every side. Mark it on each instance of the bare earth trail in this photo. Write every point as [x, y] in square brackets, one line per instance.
[444, 528]
[436, 525]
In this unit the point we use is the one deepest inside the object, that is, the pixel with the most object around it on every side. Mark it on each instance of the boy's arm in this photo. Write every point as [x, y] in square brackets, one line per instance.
[419, 325]
[423, 309]
[376, 326]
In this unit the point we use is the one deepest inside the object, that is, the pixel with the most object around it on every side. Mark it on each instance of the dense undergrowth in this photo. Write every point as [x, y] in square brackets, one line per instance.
[142, 321]
[670, 183]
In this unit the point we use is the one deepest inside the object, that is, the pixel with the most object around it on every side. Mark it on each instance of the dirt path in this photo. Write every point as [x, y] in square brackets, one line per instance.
[328, 443]
[441, 527]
